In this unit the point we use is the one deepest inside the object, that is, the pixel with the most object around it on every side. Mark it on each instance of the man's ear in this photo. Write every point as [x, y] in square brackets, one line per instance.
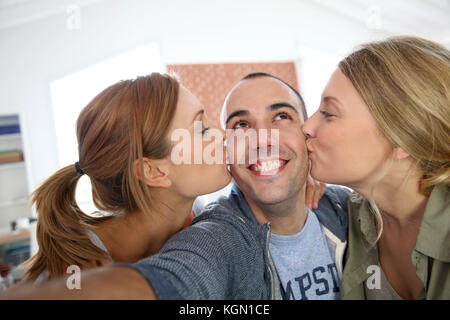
[400, 154]
[155, 174]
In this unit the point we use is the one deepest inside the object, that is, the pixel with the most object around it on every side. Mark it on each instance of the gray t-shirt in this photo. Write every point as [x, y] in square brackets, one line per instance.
[385, 292]
[304, 264]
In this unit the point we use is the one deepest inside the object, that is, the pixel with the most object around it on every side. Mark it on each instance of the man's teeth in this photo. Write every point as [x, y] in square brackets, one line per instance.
[267, 165]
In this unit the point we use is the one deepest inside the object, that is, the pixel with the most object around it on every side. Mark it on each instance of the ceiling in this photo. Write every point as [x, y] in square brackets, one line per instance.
[17, 12]
[428, 18]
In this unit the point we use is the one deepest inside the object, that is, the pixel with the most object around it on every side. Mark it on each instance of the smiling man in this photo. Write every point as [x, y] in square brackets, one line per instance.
[274, 186]
[260, 242]
[305, 247]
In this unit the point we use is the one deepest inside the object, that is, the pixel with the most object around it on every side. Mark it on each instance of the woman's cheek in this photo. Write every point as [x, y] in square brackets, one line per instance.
[213, 152]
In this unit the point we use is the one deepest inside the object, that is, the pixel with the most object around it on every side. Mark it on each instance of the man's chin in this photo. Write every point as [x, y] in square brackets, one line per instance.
[268, 196]
[268, 189]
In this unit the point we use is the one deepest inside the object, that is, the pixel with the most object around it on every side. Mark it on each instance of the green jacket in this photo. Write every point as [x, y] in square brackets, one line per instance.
[431, 255]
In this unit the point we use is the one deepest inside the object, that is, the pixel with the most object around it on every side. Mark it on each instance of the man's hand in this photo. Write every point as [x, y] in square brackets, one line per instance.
[105, 283]
[314, 191]
[5, 269]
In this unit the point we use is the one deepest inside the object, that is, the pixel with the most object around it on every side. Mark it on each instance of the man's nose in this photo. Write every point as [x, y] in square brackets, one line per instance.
[264, 139]
[268, 139]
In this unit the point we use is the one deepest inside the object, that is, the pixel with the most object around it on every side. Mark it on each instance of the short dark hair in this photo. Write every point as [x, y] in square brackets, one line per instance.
[264, 74]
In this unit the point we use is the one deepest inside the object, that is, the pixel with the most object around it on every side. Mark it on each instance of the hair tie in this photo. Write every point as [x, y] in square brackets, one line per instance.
[77, 167]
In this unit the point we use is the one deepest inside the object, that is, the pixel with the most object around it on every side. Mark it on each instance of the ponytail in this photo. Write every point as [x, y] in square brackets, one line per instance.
[61, 228]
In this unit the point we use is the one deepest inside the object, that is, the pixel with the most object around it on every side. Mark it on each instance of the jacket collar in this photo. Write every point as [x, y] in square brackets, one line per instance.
[434, 234]
[433, 239]
[239, 199]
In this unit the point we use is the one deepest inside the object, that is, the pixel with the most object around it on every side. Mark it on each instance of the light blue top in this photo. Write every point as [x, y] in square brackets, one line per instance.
[304, 264]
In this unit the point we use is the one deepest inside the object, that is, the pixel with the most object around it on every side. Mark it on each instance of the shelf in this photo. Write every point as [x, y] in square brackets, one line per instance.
[14, 180]
[12, 165]
[14, 236]
[13, 203]
[10, 136]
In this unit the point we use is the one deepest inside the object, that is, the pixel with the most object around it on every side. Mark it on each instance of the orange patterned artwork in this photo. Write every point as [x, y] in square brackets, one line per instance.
[210, 83]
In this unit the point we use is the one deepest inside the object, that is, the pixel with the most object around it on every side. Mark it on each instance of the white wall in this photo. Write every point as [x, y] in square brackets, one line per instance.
[37, 51]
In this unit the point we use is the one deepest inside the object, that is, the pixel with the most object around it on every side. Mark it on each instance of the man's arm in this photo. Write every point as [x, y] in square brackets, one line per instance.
[197, 263]
[110, 282]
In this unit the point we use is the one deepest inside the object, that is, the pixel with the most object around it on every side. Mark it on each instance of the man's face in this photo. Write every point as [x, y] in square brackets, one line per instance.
[266, 103]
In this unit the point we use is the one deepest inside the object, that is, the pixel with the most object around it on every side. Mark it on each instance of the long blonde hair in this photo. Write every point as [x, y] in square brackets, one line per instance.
[125, 122]
[405, 82]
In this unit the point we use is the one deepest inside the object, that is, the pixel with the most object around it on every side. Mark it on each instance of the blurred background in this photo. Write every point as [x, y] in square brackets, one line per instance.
[56, 55]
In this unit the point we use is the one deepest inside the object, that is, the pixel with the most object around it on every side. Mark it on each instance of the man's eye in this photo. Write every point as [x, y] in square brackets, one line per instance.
[282, 116]
[240, 124]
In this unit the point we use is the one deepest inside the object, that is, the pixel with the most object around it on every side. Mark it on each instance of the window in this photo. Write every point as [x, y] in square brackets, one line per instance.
[315, 70]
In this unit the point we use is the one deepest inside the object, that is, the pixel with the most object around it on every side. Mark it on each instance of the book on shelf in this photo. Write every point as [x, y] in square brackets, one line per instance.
[8, 156]
[9, 129]
[12, 120]
[9, 124]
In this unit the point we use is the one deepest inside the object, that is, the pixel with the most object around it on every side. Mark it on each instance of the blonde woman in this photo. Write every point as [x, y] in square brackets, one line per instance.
[383, 129]
[124, 144]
